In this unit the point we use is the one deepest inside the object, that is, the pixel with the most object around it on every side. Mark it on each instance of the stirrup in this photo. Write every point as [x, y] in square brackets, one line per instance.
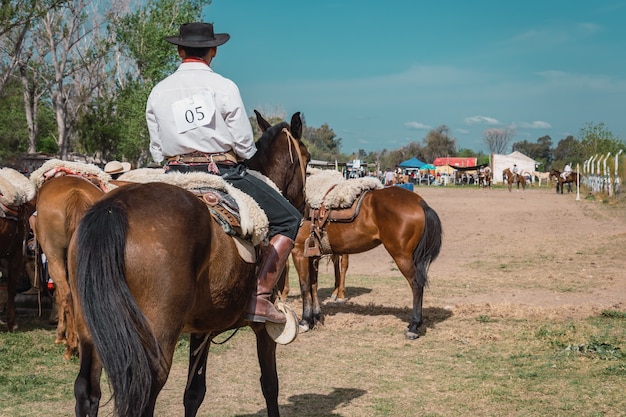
[311, 247]
[285, 333]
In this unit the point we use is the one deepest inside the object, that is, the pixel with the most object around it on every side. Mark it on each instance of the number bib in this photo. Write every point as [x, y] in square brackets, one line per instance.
[194, 111]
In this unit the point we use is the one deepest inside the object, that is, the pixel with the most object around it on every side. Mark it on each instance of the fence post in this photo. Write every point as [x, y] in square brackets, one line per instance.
[577, 181]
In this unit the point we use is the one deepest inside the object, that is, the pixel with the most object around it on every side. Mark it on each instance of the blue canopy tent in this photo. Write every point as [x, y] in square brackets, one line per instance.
[411, 163]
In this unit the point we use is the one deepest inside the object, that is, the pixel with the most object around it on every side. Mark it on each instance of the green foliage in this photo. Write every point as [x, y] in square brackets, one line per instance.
[438, 142]
[540, 151]
[597, 139]
[142, 32]
[13, 129]
[324, 144]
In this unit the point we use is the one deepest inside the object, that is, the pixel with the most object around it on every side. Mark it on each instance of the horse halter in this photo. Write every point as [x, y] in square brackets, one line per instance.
[293, 143]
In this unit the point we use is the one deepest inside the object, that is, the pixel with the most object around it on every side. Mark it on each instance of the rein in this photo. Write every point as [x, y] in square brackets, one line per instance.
[294, 143]
[196, 353]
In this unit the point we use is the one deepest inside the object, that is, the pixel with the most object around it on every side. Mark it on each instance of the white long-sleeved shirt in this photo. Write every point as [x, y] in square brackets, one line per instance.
[196, 109]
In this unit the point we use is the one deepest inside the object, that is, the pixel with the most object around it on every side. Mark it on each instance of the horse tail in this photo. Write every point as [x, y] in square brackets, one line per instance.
[428, 247]
[125, 343]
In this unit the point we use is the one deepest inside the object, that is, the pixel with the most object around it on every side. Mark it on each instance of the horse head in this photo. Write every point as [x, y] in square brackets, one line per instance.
[281, 146]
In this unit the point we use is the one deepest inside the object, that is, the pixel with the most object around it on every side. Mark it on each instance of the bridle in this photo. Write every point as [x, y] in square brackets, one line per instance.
[293, 143]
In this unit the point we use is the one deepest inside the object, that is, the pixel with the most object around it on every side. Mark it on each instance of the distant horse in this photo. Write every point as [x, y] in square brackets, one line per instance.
[570, 178]
[512, 178]
[399, 219]
[61, 203]
[147, 263]
[485, 178]
[542, 176]
[16, 206]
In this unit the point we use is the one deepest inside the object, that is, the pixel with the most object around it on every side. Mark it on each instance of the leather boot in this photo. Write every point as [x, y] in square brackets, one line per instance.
[261, 308]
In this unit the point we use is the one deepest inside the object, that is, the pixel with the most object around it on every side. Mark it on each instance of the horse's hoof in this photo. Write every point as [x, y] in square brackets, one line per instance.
[287, 332]
[411, 335]
[304, 327]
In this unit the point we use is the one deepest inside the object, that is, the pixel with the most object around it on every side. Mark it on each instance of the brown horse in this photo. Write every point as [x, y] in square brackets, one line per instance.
[398, 219]
[485, 178]
[570, 178]
[16, 206]
[147, 263]
[61, 203]
[514, 178]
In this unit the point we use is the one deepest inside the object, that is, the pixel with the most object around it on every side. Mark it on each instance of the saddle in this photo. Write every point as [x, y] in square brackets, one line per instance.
[236, 212]
[317, 243]
[332, 198]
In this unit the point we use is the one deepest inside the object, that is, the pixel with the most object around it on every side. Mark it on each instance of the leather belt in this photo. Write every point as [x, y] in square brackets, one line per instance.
[204, 158]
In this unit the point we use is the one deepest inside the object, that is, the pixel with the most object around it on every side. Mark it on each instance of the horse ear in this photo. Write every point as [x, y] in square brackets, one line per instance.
[296, 125]
[263, 124]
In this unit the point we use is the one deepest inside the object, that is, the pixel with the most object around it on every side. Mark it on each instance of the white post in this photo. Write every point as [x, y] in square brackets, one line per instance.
[577, 181]
[617, 180]
[607, 177]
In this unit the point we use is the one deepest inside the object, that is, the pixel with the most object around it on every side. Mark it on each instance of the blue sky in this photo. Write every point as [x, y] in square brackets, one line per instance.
[382, 74]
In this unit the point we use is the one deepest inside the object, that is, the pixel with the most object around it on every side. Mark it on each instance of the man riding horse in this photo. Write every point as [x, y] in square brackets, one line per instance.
[197, 121]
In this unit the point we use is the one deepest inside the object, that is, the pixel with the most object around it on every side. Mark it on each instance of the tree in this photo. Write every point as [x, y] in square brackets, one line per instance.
[567, 151]
[597, 139]
[16, 17]
[498, 139]
[540, 151]
[438, 142]
[147, 58]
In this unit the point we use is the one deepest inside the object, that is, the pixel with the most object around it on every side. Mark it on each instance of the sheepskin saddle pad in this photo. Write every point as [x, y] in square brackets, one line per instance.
[57, 167]
[15, 190]
[328, 191]
[237, 213]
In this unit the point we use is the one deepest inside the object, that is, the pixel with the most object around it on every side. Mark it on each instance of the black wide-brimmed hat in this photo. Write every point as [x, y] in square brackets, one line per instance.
[198, 35]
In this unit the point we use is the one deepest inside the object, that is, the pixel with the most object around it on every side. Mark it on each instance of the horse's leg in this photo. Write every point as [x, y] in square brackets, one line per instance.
[283, 282]
[56, 270]
[301, 264]
[341, 268]
[336, 259]
[313, 280]
[87, 384]
[266, 352]
[195, 390]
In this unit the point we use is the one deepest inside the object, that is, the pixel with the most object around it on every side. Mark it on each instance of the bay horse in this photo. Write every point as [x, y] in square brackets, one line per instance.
[512, 178]
[61, 203]
[485, 178]
[148, 262]
[400, 220]
[16, 205]
[570, 178]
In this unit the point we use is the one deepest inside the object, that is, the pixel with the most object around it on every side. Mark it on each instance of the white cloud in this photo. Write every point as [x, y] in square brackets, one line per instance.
[462, 131]
[482, 119]
[537, 124]
[416, 126]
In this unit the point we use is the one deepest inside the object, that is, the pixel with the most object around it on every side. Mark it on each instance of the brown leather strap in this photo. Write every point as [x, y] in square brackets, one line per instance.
[206, 158]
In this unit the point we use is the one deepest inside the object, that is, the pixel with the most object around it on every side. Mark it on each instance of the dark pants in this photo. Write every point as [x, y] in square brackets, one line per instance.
[283, 217]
